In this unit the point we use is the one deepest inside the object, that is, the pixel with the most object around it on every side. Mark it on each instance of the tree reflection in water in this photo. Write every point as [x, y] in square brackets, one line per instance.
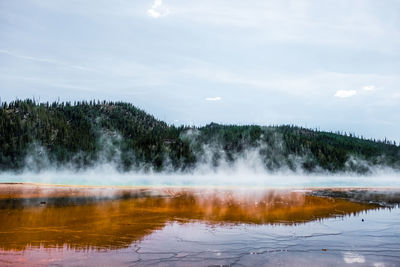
[107, 218]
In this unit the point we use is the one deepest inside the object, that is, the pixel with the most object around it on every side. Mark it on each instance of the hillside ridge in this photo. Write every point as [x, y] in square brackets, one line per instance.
[38, 136]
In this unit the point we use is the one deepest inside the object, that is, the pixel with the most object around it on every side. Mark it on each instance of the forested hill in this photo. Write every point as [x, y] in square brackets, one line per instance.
[38, 136]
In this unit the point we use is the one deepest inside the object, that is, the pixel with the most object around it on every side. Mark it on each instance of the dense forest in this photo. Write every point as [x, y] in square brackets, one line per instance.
[37, 136]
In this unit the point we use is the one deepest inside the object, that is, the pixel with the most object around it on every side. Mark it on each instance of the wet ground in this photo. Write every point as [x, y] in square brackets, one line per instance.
[43, 225]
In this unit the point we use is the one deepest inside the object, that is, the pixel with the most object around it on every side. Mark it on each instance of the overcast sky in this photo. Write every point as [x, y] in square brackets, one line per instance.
[328, 64]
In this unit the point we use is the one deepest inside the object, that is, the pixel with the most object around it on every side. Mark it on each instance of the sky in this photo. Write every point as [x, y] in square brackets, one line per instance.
[332, 65]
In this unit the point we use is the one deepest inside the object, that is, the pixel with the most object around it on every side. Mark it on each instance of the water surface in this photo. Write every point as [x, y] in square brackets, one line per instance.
[50, 225]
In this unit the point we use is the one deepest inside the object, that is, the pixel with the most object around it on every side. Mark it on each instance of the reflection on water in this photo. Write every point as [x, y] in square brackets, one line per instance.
[75, 226]
[96, 218]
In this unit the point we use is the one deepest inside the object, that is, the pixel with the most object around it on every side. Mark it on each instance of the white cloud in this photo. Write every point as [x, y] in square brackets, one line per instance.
[351, 257]
[369, 88]
[217, 98]
[345, 93]
[153, 13]
[158, 9]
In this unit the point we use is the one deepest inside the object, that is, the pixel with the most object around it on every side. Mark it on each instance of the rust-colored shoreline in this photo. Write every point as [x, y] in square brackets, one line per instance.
[32, 191]
[42, 190]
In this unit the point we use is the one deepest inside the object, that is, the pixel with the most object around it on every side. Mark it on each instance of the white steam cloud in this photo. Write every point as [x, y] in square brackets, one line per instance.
[239, 176]
[248, 169]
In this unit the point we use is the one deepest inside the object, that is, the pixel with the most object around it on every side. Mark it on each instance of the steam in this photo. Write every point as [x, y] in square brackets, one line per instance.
[259, 165]
[239, 175]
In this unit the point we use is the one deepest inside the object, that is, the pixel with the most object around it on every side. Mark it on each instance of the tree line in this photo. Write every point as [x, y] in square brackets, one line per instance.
[82, 134]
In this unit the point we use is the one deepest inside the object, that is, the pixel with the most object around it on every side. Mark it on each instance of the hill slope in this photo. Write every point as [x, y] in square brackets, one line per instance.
[81, 135]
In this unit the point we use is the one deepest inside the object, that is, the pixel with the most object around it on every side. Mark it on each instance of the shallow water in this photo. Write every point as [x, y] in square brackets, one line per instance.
[69, 226]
